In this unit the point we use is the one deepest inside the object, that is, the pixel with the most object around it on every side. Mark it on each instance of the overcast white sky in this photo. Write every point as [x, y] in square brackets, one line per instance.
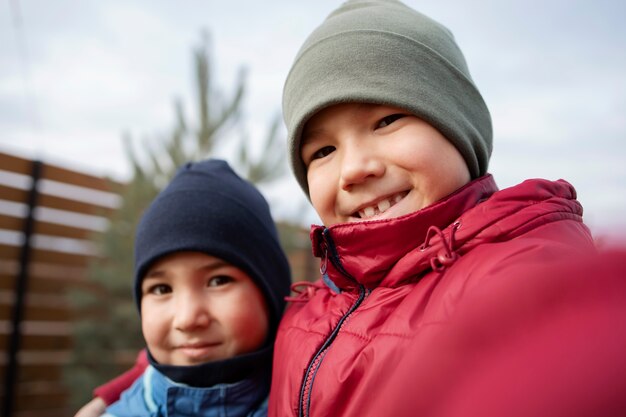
[75, 74]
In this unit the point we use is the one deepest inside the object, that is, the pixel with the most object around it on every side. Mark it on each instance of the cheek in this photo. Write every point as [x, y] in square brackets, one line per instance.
[450, 175]
[249, 324]
[153, 323]
[438, 167]
[322, 189]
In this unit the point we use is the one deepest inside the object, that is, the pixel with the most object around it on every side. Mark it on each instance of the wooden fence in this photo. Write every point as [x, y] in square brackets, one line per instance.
[49, 216]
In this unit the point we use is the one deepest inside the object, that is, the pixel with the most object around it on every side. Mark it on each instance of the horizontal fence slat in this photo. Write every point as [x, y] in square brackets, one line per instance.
[38, 285]
[49, 412]
[16, 195]
[55, 314]
[61, 230]
[11, 223]
[8, 252]
[39, 255]
[40, 401]
[38, 313]
[16, 224]
[7, 282]
[39, 342]
[66, 204]
[37, 372]
[46, 271]
[66, 176]
[15, 164]
[53, 172]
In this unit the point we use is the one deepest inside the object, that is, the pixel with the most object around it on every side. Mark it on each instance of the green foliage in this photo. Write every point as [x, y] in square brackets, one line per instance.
[271, 165]
[108, 335]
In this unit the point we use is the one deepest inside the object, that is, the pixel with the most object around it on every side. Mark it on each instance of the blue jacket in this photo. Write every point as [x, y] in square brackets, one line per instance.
[155, 395]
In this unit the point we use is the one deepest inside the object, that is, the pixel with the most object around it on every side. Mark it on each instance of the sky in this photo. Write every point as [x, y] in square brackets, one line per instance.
[75, 75]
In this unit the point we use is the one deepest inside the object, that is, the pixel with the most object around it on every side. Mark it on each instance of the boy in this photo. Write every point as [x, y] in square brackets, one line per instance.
[440, 295]
[210, 282]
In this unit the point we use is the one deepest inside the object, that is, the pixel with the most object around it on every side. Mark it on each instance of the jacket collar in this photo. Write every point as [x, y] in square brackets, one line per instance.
[240, 398]
[391, 252]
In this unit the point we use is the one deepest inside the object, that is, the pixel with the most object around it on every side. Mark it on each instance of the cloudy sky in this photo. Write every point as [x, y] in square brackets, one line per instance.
[76, 74]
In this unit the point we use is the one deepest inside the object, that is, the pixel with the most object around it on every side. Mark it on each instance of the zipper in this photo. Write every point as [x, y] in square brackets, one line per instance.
[309, 376]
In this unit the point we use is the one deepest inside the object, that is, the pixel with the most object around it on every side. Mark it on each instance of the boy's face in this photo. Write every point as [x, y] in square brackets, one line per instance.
[370, 162]
[197, 308]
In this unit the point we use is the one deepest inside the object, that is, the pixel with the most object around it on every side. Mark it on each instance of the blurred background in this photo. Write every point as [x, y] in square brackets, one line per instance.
[111, 96]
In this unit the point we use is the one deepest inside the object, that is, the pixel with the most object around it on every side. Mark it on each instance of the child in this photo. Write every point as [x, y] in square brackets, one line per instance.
[440, 295]
[210, 282]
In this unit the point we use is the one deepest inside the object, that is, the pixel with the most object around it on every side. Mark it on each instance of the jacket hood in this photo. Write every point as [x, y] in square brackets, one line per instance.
[392, 252]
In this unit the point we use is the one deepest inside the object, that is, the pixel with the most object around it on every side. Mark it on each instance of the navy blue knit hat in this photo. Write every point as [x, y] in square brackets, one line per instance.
[208, 208]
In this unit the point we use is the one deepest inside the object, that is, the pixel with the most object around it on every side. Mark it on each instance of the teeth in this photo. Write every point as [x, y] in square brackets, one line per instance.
[381, 206]
[384, 205]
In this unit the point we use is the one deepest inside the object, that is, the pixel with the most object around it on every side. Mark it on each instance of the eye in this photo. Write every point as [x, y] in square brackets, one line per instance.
[387, 120]
[159, 289]
[220, 280]
[321, 153]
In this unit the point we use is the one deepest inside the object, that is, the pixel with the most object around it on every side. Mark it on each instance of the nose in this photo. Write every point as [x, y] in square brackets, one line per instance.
[192, 312]
[359, 163]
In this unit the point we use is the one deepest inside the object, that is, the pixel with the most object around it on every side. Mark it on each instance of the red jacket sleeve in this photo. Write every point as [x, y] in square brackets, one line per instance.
[111, 391]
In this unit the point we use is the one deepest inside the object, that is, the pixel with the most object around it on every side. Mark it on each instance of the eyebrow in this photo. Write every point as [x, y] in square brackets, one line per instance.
[154, 274]
[308, 135]
[207, 266]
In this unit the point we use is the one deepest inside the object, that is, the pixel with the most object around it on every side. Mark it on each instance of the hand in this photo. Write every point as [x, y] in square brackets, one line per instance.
[94, 408]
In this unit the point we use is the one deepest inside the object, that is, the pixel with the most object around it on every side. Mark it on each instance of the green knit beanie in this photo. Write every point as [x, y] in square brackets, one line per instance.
[383, 52]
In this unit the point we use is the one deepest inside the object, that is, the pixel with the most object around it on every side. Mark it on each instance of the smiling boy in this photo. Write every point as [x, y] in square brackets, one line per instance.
[440, 294]
[210, 282]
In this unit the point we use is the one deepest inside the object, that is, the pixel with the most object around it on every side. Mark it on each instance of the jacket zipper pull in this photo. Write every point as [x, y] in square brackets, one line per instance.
[324, 265]
[324, 268]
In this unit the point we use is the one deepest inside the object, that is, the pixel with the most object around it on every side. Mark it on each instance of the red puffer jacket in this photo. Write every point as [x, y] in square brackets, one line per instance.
[488, 303]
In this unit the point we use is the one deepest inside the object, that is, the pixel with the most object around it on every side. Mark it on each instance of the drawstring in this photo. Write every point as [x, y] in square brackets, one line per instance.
[303, 291]
[446, 256]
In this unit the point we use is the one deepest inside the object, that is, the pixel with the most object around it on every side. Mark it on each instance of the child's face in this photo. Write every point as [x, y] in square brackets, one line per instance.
[370, 162]
[197, 308]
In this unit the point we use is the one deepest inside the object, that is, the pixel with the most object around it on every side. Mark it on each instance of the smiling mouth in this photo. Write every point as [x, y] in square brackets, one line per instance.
[380, 207]
[198, 350]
